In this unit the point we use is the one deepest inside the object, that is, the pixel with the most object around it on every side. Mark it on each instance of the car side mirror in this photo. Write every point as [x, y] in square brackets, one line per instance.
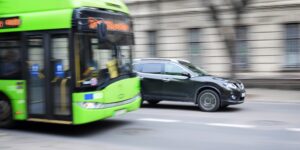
[186, 74]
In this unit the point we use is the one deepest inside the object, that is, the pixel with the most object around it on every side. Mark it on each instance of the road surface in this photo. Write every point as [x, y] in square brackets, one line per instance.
[170, 126]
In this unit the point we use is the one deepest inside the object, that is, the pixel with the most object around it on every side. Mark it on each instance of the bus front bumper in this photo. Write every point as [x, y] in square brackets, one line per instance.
[87, 114]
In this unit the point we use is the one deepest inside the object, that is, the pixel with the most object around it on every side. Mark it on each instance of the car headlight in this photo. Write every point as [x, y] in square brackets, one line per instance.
[242, 86]
[230, 86]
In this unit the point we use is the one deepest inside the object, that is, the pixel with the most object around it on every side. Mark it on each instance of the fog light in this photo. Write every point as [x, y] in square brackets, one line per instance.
[233, 97]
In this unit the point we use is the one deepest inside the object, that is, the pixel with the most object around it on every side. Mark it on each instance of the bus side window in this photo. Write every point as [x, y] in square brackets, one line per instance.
[10, 65]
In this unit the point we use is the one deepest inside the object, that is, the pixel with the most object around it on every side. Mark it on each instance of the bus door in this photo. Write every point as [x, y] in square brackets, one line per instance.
[48, 76]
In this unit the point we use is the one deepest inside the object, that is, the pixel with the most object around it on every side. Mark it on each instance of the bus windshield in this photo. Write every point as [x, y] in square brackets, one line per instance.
[99, 65]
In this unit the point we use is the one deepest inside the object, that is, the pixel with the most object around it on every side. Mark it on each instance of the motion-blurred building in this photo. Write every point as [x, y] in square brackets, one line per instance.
[267, 42]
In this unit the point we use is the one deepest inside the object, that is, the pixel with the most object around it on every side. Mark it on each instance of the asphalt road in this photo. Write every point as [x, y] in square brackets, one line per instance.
[170, 126]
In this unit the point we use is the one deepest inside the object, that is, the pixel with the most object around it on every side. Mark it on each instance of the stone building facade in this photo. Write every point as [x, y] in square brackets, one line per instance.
[267, 42]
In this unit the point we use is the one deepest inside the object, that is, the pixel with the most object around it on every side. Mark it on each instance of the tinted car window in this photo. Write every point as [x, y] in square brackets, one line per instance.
[193, 68]
[172, 69]
[155, 68]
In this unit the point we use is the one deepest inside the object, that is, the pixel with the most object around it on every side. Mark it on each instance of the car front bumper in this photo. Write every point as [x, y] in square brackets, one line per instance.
[233, 97]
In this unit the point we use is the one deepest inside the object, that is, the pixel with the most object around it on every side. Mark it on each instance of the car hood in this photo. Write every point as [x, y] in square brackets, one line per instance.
[215, 79]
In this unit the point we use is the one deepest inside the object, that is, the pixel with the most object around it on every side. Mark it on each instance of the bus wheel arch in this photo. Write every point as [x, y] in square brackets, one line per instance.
[6, 112]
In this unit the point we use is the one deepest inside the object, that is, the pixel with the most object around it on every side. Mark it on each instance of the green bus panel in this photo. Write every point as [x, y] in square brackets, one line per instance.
[50, 14]
[15, 90]
[25, 6]
[117, 92]
[82, 116]
[47, 20]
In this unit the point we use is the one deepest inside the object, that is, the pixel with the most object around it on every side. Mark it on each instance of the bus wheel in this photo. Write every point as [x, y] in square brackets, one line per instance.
[6, 119]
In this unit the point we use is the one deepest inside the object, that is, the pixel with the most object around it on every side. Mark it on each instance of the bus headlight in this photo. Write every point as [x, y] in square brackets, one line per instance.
[91, 105]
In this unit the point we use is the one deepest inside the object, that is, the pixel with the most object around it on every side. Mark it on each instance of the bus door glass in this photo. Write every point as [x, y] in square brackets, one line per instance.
[60, 74]
[48, 76]
[36, 75]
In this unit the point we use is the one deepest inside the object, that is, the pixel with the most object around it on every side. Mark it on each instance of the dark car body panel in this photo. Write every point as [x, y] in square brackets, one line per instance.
[177, 88]
[151, 85]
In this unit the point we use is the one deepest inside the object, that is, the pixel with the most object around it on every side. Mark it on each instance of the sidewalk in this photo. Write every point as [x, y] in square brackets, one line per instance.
[272, 95]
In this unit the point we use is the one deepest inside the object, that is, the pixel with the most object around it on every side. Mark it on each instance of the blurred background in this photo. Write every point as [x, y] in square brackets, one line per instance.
[256, 41]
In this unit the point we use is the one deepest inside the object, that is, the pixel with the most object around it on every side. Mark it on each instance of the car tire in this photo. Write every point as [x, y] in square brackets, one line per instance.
[153, 102]
[6, 117]
[208, 101]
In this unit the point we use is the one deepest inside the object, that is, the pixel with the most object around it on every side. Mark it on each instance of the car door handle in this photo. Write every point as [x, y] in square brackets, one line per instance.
[166, 80]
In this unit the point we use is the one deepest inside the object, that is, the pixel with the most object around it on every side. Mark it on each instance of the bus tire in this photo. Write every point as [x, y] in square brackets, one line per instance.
[6, 116]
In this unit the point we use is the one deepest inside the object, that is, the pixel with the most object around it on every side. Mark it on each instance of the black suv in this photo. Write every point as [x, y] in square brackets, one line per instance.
[179, 80]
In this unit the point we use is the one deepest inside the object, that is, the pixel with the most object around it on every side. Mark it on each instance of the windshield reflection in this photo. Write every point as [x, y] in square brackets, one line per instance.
[99, 64]
[194, 69]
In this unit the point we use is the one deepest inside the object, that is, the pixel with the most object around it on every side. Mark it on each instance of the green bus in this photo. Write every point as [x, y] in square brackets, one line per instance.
[66, 61]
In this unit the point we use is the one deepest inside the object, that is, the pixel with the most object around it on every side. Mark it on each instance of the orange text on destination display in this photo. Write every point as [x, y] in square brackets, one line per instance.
[9, 22]
[110, 25]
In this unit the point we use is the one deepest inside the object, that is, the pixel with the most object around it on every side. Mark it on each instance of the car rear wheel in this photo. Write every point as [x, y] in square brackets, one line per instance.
[208, 100]
[153, 102]
[6, 119]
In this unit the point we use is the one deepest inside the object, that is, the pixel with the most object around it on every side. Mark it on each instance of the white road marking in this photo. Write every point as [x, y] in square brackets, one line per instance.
[293, 129]
[159, 120]
[245, 126]
[231, 125]
[286, 102]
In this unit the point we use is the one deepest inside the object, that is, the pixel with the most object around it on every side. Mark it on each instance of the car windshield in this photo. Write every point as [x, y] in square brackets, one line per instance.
[194, 69]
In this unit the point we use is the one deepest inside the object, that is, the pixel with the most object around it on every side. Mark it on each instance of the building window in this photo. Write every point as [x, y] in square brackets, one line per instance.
[241, 48]
[152, 43]
[194, 45]
[292, 55]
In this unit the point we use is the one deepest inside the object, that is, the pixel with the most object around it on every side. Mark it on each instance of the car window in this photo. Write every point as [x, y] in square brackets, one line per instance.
[193, 68]
[172, 69]
[155, 68]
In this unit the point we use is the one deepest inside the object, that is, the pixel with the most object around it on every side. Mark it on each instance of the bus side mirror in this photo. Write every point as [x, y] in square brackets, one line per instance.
[102, 32]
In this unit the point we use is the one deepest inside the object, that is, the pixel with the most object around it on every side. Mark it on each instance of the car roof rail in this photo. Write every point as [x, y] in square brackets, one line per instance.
[162, 59]
[149, 59]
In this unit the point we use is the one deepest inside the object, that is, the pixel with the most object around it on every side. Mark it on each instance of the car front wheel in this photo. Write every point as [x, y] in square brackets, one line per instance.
[208, 100]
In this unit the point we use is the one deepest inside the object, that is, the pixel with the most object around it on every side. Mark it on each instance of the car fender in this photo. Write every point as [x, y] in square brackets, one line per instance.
[210, 86]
